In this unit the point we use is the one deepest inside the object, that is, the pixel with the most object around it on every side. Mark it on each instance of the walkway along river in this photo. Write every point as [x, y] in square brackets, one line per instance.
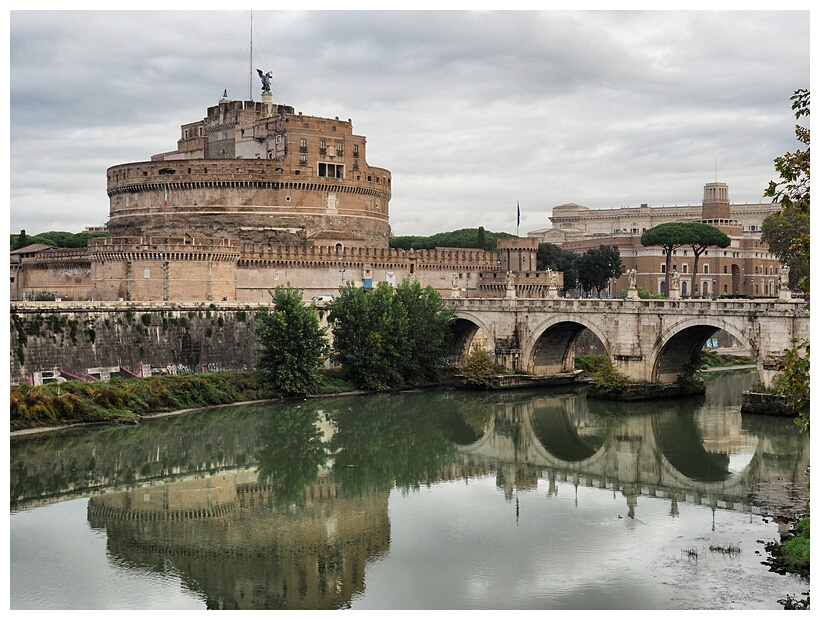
[427, 500]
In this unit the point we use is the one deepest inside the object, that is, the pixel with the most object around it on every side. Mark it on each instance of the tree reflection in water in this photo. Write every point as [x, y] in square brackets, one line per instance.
[290, 452]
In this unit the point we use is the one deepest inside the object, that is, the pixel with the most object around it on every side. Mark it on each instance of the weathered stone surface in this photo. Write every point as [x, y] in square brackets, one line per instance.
[138, 337]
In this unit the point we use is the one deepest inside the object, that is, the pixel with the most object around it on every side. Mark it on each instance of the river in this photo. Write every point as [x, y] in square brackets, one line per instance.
[439, 499]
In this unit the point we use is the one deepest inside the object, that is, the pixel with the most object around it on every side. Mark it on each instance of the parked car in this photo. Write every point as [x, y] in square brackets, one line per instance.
[321, 298]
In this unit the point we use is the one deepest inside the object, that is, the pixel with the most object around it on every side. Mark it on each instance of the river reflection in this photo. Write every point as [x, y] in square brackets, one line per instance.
[441, 499]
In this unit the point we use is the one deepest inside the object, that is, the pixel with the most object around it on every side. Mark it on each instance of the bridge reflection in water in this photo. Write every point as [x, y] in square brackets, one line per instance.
[268, 507]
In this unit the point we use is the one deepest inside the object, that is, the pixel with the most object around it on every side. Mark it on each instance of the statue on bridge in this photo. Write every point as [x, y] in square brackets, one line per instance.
[675, 281]
[632, 274]
[784, 278]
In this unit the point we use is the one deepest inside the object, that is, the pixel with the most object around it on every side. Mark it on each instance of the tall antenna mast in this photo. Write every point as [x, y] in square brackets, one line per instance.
[250, 70]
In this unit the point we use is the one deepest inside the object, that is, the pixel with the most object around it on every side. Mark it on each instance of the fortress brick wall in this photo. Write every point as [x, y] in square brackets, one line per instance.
[63, 274]
[323, 269]
[77, 338]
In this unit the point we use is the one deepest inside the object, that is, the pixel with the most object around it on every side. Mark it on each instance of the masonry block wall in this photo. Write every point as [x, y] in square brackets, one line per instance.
[166, 337]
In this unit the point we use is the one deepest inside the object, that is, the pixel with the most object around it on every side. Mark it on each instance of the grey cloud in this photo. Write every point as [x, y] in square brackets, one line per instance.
[471, 111]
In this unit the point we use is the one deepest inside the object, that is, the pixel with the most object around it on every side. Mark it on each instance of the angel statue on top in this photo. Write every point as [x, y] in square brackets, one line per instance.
[266, 77]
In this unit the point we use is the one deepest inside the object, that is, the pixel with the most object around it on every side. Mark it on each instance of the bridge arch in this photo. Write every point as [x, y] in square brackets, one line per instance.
[551, 347]
[677, 343]
[466, 330]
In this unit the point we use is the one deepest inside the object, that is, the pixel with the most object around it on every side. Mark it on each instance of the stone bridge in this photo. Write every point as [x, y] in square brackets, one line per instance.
[648, 340]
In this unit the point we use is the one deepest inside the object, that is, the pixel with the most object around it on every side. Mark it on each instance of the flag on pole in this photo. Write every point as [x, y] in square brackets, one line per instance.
[518, 208]
[165, 193]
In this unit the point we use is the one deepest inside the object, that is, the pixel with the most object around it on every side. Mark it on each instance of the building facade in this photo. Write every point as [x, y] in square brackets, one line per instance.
[745, 268]
[572, 222]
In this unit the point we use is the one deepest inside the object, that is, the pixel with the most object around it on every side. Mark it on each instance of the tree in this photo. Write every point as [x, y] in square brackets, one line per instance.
[549, 256]
[597, 265]
[779, 231]
[669, 236]
[54, 238]
[366, 336]
[570, 267]
[481, 242]
[383, 337]
[462, 238]
[22, 240]
[428, 322]
[292, 342]
[704, 237]
[553, 257]
[673, 235]
[793, 192]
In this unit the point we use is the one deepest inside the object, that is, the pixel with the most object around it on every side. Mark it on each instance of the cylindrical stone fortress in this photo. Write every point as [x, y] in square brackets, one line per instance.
[256, 172]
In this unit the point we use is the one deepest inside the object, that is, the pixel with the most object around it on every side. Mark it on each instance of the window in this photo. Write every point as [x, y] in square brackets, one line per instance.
[303, 160]
[355, 150]
[663, 268]
[706, 269]
[322, 147]
[303, 145]
[725, 269]
[685, 267]
[333, 171]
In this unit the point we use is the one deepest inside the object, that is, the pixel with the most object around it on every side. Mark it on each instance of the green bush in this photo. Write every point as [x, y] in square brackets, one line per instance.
[608, 379]
[478, 368]
[589, 363]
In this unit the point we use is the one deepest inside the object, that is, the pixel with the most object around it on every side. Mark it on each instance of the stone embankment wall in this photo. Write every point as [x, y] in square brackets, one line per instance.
[89, 340]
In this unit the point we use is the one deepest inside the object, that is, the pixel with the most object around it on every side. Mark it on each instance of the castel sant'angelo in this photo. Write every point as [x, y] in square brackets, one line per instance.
[257, 195]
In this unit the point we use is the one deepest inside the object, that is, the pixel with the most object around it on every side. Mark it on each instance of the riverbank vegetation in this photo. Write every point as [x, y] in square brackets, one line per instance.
[126, 400]
[792, 555]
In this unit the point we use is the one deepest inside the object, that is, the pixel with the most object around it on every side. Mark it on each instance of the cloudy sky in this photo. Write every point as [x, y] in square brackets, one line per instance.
[472, 112]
